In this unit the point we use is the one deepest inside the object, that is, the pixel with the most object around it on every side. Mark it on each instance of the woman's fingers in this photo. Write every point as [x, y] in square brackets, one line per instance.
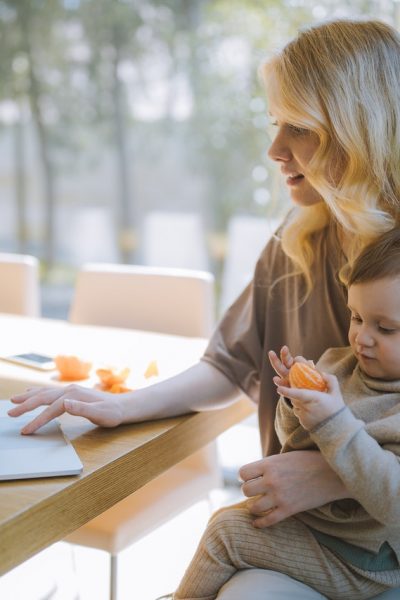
[252, 470]
[54, 410]
[38, 397]
[253, 487]
[271, 517]
[73, 399]
[18, 398]
[41, 396]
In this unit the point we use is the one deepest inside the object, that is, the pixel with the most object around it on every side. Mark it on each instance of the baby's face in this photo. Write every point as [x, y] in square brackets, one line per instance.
[374, 331]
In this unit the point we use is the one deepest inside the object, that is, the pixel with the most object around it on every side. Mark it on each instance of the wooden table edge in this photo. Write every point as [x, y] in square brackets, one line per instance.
[78, 504]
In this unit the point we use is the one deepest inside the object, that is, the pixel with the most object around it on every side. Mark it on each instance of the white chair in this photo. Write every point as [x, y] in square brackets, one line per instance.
[169, 301]
[85, 234]
[259, 584]
[247, 236]
[20, 288]
[175, 301]
[174, 239]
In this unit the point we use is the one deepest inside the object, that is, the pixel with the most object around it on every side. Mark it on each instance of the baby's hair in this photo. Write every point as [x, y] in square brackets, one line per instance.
[378, 260]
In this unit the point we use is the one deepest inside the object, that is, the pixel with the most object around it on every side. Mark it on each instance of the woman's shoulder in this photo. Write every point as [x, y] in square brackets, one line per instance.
[325, 244]
[272, 255]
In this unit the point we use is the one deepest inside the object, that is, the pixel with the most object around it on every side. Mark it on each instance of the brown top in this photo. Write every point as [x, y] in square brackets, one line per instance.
[361, 442]
[262, 319]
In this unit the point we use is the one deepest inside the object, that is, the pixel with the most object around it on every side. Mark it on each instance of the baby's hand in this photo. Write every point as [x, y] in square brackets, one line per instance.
[282, 365]
[312, 407]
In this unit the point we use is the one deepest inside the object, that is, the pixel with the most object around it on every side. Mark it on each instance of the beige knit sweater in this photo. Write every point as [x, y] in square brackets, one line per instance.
[362, 445]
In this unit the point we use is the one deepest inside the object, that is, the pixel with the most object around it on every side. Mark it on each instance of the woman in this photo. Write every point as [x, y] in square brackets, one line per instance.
[334, 94]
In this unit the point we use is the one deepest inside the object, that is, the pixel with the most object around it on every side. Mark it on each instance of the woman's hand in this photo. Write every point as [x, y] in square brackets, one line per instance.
[312, 407]
[101, 408]
[286, 484]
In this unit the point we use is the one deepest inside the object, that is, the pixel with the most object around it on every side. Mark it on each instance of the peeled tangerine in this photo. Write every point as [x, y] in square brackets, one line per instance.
[72, 368]
[304, 375]
[113, 382]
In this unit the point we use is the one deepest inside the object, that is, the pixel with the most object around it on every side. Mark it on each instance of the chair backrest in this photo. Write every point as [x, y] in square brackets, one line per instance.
[247, 236]
[174, 239]
[173, 301]
[85, 234]
[20, 287]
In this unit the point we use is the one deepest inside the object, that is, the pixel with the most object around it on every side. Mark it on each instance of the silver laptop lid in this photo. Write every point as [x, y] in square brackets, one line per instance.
[46, 453]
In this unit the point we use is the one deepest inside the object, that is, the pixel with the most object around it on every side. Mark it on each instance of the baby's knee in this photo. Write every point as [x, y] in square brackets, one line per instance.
[228, 518]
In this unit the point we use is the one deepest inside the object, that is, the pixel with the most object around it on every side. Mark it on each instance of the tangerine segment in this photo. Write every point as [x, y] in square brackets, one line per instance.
[303, 375]
[72, 368]
[109, 378]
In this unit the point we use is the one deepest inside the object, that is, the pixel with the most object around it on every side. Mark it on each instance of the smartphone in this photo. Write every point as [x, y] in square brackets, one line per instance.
[33, 360]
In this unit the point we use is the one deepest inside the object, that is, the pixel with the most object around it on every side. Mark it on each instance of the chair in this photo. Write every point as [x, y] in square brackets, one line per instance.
[20, 290]
[260, 584]
[84, 234]
[174, 239]
[129, 296]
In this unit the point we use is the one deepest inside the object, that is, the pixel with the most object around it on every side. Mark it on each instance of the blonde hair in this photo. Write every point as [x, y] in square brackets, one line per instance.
[341, 81]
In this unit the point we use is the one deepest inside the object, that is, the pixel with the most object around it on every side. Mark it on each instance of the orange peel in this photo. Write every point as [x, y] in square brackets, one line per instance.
[152, 370]
[72, 368]
[305, 376]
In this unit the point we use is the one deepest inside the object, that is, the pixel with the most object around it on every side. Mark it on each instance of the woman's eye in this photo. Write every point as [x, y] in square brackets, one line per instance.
[298, 130]
[355, 318]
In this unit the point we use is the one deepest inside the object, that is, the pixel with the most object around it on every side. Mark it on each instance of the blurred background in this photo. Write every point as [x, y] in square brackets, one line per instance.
[135, 131]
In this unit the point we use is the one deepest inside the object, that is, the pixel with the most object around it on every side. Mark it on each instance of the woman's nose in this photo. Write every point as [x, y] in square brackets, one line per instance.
[279, 150]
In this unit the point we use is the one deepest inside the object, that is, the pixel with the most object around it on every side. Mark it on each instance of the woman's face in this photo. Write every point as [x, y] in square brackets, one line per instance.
[293, 148]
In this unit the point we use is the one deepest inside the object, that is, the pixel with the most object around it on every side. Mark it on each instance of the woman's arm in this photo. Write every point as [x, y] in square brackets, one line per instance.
[291, 482]
[202, 387]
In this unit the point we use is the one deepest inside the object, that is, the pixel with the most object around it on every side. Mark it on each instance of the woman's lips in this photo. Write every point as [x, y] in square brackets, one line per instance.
[294, 180]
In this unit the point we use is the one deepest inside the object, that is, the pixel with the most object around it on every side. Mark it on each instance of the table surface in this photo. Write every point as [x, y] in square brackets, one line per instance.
[38, 512]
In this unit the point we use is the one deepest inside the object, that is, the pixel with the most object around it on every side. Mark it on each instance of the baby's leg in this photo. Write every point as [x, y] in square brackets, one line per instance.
[218, 555]
[231, 543]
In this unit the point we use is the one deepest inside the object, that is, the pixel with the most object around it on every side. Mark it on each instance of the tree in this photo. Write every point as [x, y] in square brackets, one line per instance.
[109, 27]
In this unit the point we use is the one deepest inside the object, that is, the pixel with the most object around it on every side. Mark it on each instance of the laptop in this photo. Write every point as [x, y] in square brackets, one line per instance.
[46, 453]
